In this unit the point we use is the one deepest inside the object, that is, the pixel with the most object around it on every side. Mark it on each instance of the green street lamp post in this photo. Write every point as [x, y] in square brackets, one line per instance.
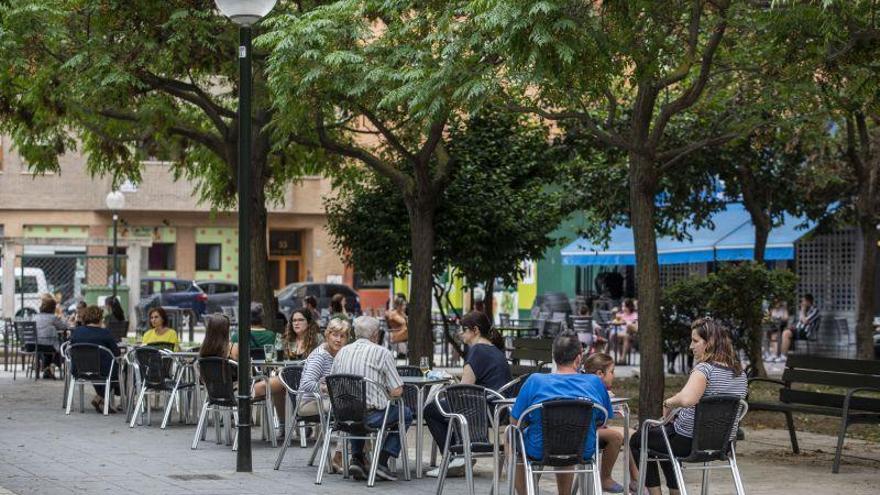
[245, 13]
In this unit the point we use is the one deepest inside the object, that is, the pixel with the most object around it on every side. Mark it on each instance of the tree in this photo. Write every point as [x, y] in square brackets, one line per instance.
[836, 75]
[117, 80]
[584, 62]
[497, 212]
[384, 81]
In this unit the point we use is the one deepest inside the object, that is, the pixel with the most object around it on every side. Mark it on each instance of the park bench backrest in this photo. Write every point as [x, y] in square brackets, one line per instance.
[833, 372]
[537, 350]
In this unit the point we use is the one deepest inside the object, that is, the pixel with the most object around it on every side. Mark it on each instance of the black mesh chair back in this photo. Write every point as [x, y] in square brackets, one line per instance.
[552, 328]
[118, 329]
[471, 402]
[167, 346]
[348, 400]
[410, 391]
[715, 423]
[565, 424]
[219, 376]
[291, 376]
[26, 332]
[511, 389]
[154, 367]
[85, 361]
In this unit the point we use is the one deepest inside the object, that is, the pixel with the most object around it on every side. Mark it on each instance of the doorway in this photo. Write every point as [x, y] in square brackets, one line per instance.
[285, 258]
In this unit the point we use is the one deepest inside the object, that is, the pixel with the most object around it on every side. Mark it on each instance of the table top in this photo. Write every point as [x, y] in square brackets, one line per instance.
[420, 380]
[276, 364]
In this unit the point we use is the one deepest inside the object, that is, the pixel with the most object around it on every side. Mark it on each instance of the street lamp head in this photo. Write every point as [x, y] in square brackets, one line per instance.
[115, 200]
[245, 12]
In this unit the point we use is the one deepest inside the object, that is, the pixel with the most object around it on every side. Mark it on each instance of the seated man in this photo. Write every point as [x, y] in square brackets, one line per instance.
[565, 383]
[367, 359]
[808, 316]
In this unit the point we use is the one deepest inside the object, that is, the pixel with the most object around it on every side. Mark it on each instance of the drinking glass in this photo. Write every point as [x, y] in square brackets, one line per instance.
[269, 350]
[424, 365]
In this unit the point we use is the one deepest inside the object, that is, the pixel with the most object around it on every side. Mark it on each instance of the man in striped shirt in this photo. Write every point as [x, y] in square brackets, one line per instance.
[808, 321]
[367, 359]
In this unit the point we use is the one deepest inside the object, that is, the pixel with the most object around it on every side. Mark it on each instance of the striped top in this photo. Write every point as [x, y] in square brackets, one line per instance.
[318, 365]
[719, 381]
[366, 359]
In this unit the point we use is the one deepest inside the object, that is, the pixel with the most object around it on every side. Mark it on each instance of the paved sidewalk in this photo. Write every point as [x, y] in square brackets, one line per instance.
[44, 452]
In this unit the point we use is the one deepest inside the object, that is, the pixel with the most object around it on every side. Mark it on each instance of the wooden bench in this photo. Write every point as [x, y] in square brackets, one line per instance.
[855, 376]
[538, 351]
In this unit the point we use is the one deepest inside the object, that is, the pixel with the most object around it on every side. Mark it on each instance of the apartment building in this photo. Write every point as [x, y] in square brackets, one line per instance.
[188, 239]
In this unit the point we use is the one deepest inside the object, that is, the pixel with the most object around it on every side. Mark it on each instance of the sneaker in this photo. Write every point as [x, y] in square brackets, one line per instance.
[781, 359]
[357, 470]
[454, 470]
[383, 472]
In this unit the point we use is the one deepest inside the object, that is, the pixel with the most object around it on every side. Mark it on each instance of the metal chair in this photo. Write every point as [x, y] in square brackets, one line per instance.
[348, 405]
[153, 374]
[716, 419]
[32, 360]
[118, 329]
[290, 377]
[218, 375]
[84, 365]
[469, 433]
[565, 426]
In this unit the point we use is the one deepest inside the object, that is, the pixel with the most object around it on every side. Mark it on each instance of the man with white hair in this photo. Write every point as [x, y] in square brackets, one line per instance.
[365, 358]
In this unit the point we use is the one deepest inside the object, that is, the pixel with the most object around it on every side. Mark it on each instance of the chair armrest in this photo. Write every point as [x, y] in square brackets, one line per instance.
[767, 380]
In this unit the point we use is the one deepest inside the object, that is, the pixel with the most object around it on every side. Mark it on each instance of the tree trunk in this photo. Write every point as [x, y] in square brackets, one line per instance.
[757, 211]
[488, 299]
[867, 281]
[642, 188]
[421, 221]
[261, 289]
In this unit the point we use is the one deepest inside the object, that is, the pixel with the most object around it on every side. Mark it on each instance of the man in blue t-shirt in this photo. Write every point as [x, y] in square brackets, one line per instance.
[565, 383]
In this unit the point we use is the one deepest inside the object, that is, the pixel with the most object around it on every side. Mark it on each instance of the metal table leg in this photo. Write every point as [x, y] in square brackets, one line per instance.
[419, 431]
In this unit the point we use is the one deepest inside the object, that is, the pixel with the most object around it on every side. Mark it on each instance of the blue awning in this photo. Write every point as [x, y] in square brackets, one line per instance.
[732, 239]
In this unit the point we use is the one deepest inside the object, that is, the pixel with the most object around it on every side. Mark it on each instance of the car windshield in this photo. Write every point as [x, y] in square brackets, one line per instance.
[287, 291]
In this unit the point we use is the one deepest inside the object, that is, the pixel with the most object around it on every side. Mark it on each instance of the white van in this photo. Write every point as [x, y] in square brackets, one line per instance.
[33, 287]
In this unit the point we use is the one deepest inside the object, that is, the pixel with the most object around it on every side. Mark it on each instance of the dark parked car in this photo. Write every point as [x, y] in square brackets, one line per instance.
[184, 294]
[219, 293]
[291, 297]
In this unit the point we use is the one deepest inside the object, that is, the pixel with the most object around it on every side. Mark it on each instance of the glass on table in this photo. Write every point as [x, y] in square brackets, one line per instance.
[424, 365]
[269, 350]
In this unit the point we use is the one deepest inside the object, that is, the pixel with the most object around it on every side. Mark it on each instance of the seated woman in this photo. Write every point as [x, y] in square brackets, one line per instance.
[159, 333]
[626, 325]
[48, 327]
[718, 371]
[217, 344]
[485, 365]
[113, 312]
[91, 332]
[301, 336]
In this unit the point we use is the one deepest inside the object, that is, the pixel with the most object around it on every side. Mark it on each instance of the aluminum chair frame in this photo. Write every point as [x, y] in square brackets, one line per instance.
[677, 464]
[461, 423]
[142, 400]
[217, 410]
[73, 380]
[515, 437]
[293, 424]
[377, 437]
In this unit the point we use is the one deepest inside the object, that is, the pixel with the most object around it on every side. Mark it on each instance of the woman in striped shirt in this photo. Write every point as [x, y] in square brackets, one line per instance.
[718, 372]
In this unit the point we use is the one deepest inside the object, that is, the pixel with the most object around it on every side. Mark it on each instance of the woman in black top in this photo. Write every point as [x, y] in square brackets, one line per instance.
[485, 365]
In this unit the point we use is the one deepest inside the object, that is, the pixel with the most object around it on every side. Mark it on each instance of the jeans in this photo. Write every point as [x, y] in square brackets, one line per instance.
[681, 446]
[391, 443]
[48, 353]
[437, 423]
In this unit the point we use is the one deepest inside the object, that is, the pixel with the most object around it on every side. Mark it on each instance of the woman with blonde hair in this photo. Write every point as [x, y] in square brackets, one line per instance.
[717, 372]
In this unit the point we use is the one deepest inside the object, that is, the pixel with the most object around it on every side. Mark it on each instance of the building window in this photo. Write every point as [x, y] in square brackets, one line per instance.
[208, 257]
[162, 256]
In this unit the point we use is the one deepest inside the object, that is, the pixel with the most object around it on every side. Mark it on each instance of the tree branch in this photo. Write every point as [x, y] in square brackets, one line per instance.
[692, 93]
[684, 68]
[607, 137]
[192, 94]
[213, 143]
[367, 158]
[386, 132]
[671, 157]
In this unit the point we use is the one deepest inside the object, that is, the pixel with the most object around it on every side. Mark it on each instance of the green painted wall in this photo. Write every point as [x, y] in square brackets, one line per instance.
[57, 231]
[228, 240]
